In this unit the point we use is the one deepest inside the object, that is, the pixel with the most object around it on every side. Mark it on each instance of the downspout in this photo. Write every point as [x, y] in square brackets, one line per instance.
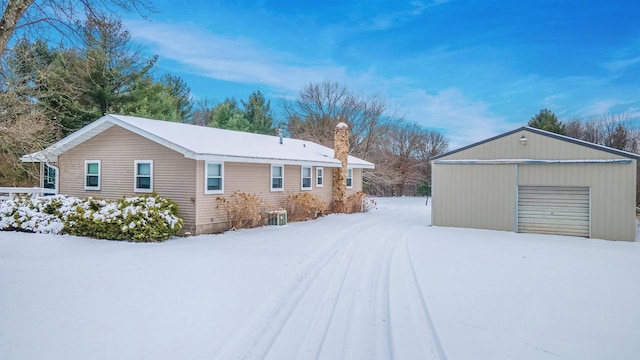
[515, 215]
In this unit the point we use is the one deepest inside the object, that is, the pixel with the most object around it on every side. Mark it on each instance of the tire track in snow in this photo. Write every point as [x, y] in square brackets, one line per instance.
[368, 328]
[254, 339]
[317, 334]
[422, 321]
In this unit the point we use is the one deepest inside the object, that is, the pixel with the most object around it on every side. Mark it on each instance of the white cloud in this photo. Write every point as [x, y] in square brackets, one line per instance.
[232, 59]
[465, 121]
[602, 106]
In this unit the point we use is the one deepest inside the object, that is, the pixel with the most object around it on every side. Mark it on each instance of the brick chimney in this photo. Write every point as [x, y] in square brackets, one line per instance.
[341, 152]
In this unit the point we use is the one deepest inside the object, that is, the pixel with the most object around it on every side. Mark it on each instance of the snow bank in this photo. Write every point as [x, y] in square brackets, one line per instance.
[375, 285]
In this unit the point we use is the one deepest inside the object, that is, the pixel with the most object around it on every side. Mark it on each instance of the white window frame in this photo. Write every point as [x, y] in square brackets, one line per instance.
[347, 178]
[271, 178]
[206, 177]
[136, 176]
[86, 163]
[302, 177]
[319, 176]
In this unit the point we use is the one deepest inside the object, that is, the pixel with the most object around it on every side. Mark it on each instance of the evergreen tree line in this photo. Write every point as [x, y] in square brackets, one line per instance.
[615, 130]
[48, 92]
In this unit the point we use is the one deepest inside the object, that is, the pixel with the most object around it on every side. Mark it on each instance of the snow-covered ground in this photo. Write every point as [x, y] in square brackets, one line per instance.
[378, 285]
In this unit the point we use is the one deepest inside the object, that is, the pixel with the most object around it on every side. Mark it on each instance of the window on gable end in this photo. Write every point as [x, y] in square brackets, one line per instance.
[143, 173]
[92, 174]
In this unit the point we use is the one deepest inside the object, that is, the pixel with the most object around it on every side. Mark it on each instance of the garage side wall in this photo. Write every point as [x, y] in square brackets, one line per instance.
[474, 196]
[612, 193]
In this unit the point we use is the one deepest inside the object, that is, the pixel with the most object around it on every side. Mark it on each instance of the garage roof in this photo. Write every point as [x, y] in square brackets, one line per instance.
[548, 134]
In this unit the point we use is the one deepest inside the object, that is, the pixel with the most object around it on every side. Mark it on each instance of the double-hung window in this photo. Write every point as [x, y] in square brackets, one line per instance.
[305, 175]
[349, 178]
[277, 177]
[319, 176]
[214, 178]
[92, 174]
[143, 174]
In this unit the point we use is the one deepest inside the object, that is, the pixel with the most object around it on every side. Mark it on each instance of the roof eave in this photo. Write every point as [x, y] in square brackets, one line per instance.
[543, 133]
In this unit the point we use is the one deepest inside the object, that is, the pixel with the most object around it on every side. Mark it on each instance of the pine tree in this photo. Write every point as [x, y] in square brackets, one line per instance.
[548, 121]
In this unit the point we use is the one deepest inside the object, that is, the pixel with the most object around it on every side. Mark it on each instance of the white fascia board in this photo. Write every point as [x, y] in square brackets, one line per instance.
[243, 159]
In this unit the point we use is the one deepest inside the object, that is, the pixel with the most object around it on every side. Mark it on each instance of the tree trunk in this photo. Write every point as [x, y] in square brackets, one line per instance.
[10, 16]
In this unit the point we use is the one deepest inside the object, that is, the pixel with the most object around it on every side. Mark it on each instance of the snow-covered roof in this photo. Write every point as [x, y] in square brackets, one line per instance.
[205, 143]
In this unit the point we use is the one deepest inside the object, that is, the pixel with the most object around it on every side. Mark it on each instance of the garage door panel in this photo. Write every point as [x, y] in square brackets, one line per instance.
[554, 210]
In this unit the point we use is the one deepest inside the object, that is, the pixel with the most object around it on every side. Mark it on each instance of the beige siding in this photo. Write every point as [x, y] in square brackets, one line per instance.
[538, 147]
[117, 148]
[612, 186]
[481, 196]
[253, 179]
[357, 182]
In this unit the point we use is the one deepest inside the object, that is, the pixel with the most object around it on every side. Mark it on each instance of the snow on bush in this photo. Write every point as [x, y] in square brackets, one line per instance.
[148, 218]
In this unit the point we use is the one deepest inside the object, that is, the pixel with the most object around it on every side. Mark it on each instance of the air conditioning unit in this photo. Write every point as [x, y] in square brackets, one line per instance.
[277, 217]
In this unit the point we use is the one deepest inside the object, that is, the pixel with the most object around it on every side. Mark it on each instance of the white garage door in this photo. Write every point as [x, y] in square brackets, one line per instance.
[553, 210]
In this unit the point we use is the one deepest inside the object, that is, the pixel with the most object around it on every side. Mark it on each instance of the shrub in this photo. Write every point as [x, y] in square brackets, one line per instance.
[243, 210]
[304, 206]
[140, 219]
[359, 202]
[148, 218]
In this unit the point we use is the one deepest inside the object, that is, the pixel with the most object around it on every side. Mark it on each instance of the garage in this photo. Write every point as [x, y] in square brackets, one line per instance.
[560, 210]
[532, 181]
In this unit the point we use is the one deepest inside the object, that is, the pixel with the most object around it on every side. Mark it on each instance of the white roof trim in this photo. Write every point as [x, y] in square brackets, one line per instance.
[51, 153]
[222, 158]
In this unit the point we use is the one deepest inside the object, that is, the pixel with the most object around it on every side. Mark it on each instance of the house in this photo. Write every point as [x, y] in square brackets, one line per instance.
[530, 180]
[192, 165]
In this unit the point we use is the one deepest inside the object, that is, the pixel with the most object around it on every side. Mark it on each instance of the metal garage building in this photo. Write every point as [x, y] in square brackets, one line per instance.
[530, 180]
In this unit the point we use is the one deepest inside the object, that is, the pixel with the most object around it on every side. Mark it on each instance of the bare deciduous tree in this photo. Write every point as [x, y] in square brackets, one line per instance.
[23, 129]
[320, 106]
[59, 15]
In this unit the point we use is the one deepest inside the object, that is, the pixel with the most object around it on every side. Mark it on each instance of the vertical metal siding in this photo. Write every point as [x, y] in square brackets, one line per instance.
[612, 193]
[473, 196]
[538, 147]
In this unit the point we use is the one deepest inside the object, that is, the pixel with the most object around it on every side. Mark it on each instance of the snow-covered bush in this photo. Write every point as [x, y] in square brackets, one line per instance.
[40, 214]
[148, 218]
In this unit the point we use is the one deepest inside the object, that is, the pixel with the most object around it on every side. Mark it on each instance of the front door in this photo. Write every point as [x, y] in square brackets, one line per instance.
[50, 179]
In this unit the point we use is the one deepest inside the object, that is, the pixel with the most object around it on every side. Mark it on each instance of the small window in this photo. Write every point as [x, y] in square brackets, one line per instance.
[214, 178]
[92, 174]
[306, 177]
[143, 170]
[319, 176]
[349, 178]
[277, 177]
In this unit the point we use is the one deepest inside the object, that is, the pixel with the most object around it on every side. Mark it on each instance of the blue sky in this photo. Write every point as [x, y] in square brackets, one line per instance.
[470, 69]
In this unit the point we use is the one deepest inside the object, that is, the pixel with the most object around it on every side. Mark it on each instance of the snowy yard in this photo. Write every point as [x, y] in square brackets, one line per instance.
[377, 285]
